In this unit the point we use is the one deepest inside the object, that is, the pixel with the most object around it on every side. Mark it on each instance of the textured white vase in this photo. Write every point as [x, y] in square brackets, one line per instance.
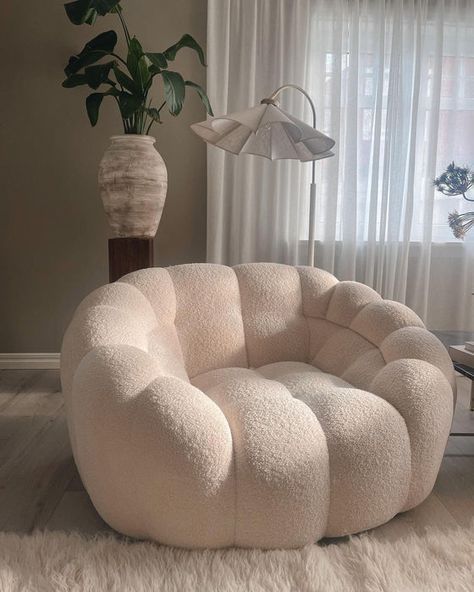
[133, 181]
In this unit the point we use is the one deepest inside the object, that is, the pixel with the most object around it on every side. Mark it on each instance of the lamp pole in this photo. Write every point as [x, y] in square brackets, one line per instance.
[312, 191]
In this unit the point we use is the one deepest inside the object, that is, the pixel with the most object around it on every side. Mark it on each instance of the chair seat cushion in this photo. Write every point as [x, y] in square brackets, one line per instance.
[346, 449]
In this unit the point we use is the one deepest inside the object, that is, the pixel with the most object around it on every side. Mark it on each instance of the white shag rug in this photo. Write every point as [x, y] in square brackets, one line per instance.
[54, 561]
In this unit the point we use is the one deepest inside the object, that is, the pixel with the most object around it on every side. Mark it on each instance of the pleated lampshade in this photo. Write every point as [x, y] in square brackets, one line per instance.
[268, 131]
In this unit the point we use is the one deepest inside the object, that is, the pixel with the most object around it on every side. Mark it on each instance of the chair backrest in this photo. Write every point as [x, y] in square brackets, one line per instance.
[200, 317]
[244, 316]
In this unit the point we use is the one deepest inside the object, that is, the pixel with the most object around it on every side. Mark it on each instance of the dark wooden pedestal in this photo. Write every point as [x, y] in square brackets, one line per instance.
[129, 254]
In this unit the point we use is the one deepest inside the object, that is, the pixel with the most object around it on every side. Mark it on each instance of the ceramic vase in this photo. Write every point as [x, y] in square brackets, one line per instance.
[133, 181]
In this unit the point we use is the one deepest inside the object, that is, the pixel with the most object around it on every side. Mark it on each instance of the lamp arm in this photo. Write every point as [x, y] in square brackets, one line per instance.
[312, 200]
[279, 90]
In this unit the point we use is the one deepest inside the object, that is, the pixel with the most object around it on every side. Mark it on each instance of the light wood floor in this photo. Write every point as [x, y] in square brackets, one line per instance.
[40, 487]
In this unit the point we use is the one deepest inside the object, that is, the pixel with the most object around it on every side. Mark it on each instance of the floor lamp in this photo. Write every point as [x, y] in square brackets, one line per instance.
[266, 130]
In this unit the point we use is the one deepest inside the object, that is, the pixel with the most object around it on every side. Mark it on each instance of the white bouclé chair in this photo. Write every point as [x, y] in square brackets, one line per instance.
[258, 406]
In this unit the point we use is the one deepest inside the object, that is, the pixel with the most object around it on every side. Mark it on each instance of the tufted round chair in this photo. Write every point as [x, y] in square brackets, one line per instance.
[258, 406]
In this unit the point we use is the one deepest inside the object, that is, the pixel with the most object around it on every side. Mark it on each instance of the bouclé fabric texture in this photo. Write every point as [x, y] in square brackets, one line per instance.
[257, 406]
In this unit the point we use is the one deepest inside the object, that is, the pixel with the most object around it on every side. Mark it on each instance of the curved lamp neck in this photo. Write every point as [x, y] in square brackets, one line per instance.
[272, 98]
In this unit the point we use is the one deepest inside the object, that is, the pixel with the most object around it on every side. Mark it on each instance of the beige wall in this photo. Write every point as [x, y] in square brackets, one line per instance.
[53, 233]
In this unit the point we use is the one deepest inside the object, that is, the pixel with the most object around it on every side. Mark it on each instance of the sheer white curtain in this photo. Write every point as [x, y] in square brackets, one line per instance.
[393, 83]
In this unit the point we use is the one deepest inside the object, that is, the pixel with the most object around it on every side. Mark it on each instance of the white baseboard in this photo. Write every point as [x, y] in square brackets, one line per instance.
[29, 361]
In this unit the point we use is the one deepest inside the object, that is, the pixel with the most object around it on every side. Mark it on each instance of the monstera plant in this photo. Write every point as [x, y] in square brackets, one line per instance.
[133, 178]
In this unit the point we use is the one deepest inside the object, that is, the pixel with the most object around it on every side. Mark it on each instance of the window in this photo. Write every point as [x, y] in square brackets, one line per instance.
[403, 113]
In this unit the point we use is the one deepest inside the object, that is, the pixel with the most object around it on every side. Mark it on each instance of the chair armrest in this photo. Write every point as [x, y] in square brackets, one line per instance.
[423, 396]
[145, 440]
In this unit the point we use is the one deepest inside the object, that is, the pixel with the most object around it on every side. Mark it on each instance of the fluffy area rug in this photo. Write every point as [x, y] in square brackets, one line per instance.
[433, 561]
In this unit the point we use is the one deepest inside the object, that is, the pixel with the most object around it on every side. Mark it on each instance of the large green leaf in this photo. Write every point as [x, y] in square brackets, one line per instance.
[77, 63]
[202, 94]
[174, 91]
[105, 41]
[137, 64]
[92, 52]
[158, 60]
[135, 52]
[80, 11]
[74, 80]
[153, 70]
[97, 75]
[86, 11]
[103, 7]
[185, 41]
[129, 104]
[124, 80]
[93, 103]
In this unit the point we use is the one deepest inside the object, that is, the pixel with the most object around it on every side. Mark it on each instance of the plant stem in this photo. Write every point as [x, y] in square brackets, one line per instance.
[152, 120]
[119, 58]
[149, 127]
[124, 121]
[124, 26]
[145, 120]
